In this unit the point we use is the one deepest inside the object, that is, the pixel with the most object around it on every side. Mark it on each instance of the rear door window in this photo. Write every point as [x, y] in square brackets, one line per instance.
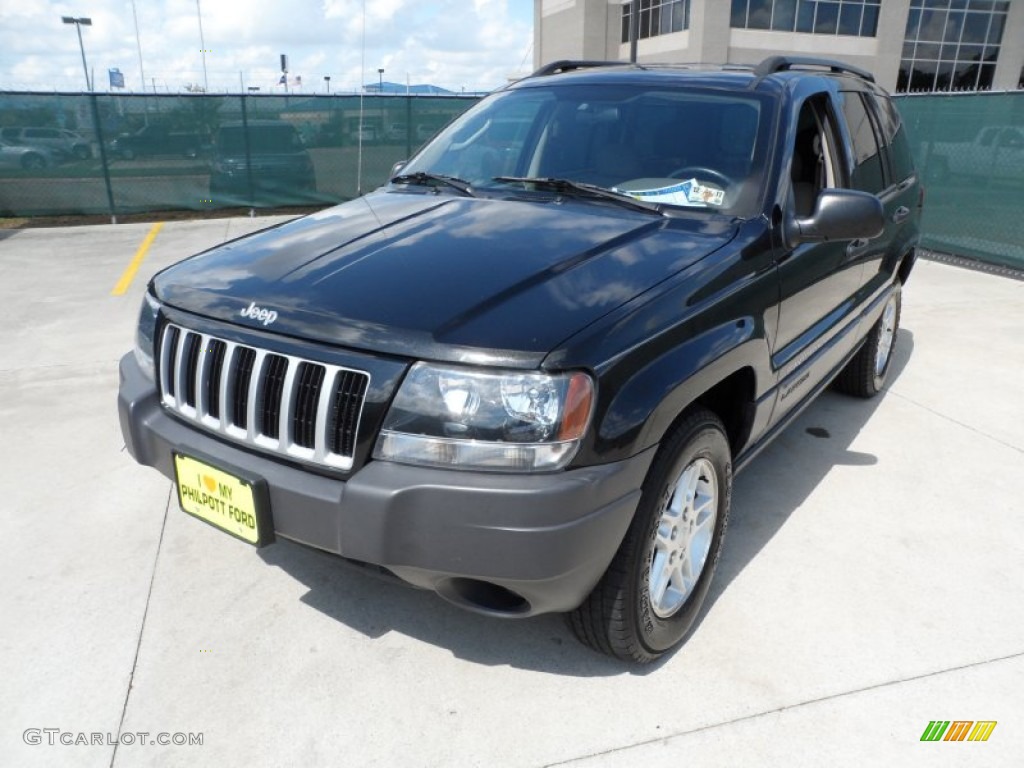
[867, 173]
[894, 137]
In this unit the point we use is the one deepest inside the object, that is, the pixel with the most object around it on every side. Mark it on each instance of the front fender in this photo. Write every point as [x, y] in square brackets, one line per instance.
[647, 405]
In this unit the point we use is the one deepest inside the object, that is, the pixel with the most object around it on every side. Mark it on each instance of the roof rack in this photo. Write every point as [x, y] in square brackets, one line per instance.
[774, 64]
[568, 65]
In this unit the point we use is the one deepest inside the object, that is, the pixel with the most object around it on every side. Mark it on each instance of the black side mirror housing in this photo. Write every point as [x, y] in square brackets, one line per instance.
[840, 214]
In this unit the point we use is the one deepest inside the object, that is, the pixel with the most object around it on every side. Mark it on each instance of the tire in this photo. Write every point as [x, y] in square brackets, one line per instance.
[865, 374]
[631, 613]
[32, 161]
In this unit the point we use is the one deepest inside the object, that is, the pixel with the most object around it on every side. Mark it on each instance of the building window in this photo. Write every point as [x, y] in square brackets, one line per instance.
[657, 17]
[951, 45]
[821, 17]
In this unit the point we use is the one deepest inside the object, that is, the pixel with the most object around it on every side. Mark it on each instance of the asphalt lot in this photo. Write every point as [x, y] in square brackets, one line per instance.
[872, 580]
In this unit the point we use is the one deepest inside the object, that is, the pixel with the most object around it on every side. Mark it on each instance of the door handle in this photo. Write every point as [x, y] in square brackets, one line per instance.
[901, 213]
[856, 246]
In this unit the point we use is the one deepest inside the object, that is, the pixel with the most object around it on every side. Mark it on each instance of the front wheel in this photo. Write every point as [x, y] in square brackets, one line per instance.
[32, 161]
[651, 594]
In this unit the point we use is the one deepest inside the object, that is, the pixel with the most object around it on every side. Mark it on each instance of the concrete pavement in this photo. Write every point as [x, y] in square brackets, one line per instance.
[872, 580]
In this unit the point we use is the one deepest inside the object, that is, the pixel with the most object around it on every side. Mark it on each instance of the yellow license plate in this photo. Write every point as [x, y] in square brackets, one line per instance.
[219, 498]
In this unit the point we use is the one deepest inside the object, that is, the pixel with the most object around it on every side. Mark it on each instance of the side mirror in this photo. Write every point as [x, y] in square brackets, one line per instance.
[840, 214]
[397, 168]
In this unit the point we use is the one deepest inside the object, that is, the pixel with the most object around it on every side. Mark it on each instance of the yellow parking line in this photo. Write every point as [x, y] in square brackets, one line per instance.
[129, 272]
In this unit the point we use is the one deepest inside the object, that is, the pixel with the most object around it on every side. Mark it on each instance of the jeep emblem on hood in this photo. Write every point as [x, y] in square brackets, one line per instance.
[265, 316]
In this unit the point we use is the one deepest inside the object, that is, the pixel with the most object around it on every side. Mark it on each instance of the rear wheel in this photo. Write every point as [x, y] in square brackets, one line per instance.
[652, 592]
[865, 374]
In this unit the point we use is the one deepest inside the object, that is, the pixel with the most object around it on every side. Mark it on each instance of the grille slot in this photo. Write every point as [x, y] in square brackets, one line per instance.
[275, 368]
[288, 405]
[216, 373]
[171, 362]
[310, 379]
[240, 380]
[345, 406]
[193, 343]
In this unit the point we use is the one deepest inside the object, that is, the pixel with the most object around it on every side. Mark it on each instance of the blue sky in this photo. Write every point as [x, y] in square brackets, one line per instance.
[470, 44]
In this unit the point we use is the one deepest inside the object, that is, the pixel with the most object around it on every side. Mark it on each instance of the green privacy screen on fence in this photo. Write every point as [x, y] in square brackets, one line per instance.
[970, 150]
[164, 152]
[103, 154]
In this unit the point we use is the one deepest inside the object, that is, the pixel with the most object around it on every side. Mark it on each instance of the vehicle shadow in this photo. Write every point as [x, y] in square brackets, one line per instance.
[773, 486]
[778, 481]
[376, 606]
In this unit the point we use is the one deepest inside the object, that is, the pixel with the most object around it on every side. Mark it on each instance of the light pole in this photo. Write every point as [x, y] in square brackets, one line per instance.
[202, 42]
[327, 81]
[380, 80]
[138, 44]
[78, 22]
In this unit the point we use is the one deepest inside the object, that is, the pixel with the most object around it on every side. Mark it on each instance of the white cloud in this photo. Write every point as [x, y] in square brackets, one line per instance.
[452, 43]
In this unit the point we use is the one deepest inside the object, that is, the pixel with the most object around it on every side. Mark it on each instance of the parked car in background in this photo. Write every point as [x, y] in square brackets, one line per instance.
[64, 144]
[396, 133]
[424, 132]
[269, 154]
[996, 152]
[156, 139]
[21, 156]
[367, 134]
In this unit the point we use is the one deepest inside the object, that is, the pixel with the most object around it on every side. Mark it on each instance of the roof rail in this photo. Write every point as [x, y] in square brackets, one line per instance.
[568, 65]
[774, 64]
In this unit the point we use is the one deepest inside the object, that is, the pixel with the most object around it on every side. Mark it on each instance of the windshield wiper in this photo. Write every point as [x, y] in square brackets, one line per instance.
[581, 189]
[433, 179]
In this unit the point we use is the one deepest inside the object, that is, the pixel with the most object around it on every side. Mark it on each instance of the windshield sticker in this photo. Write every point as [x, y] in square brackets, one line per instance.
[689, 193]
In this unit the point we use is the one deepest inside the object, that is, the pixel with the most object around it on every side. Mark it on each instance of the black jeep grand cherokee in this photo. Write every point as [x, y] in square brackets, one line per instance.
[523, 373]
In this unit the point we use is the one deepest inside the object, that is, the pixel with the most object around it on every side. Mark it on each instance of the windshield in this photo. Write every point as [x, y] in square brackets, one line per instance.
[693, 148]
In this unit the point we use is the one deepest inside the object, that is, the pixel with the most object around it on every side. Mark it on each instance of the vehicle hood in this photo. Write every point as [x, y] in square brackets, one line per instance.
[432, 276]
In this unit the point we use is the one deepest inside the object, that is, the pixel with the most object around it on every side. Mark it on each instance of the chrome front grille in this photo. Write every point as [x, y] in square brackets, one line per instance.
[288, 405]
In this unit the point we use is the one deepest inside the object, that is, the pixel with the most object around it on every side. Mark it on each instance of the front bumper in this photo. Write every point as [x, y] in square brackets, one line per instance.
[511, 545]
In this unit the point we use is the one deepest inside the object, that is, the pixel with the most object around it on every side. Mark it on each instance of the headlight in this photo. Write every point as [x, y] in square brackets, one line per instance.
[514, 422]
[144, 335]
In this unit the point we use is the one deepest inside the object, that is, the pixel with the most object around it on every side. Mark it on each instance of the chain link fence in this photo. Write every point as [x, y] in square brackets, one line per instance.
[110, 154]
